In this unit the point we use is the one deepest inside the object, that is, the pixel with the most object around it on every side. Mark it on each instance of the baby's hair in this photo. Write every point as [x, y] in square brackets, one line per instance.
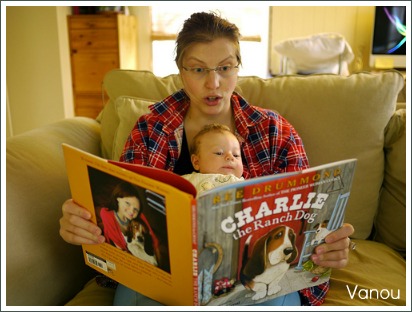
[214, 127]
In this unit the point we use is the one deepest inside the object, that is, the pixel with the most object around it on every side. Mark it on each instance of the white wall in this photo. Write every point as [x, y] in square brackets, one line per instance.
[37, 67]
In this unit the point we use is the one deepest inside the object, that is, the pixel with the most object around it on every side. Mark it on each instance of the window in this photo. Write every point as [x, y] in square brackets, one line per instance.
[253, 23]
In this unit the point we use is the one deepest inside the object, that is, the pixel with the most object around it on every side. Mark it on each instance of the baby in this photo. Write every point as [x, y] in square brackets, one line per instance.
[216, 157]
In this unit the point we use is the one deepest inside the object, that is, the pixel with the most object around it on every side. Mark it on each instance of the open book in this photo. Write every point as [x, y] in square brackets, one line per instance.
[237, 244]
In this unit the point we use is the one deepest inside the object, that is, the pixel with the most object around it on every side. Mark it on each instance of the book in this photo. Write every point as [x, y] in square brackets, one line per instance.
[237, 244]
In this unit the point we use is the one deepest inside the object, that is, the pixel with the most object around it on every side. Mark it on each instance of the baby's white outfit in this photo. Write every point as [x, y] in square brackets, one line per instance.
[207, 181]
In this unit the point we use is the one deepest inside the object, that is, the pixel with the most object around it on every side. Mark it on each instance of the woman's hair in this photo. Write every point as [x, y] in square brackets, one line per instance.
[214, 127]
[202, 28]
[123, 189]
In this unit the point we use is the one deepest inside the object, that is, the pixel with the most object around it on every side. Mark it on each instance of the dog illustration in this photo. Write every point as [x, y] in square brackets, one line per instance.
[270, 259]
[140, 242]
[321, 233]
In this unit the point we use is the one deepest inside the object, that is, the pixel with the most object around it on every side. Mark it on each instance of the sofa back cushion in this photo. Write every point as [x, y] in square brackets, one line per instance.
[337, 117]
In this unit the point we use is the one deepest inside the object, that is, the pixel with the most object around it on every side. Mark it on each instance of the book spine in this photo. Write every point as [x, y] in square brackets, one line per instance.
[195, 253]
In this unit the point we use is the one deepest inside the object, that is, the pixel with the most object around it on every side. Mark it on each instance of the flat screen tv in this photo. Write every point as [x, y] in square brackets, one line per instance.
[388, 49]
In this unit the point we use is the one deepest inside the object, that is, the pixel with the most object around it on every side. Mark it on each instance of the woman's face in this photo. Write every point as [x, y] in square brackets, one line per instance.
[129, 207]
[209, 93]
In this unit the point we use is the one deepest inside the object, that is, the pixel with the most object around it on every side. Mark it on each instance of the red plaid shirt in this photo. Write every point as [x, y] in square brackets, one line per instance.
[269, 144]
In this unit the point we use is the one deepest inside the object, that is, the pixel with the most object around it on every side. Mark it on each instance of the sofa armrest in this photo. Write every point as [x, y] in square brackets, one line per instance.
[41, 268]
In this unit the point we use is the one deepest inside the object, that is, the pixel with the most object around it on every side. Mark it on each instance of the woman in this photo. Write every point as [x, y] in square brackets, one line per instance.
[208, 58]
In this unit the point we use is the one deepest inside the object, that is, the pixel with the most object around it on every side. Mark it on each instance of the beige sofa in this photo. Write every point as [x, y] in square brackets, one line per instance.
[338, 117]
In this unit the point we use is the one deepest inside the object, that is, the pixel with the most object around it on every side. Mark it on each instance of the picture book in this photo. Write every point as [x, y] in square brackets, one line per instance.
[237, 244]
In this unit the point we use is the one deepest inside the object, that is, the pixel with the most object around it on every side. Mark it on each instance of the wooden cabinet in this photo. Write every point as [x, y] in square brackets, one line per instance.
[98, 44]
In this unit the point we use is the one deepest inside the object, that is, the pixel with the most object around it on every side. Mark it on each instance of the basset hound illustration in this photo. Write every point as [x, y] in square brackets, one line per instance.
[270, 259]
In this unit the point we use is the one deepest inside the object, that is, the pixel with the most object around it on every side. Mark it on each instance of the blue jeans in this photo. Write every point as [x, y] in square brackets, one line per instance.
[125, 296]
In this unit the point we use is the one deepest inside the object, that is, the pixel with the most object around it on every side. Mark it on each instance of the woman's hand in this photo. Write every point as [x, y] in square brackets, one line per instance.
[76, 227]
[335, 251]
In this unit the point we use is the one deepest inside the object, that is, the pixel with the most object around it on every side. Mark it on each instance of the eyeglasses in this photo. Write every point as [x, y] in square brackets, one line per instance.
[223, 71]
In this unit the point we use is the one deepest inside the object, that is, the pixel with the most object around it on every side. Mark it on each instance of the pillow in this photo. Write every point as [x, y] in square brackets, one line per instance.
[322, 53]
[137, 84]
[128, 110]
[389, 229]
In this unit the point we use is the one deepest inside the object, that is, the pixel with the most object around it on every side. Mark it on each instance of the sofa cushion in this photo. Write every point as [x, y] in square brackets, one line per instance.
[374, 276]
[128, 109]
[93, 294]
[337, 117]
[139, 84]
[390, 230]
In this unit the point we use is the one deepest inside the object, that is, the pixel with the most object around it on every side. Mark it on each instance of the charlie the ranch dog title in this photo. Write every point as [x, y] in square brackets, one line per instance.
[281, 204]
[274, 202]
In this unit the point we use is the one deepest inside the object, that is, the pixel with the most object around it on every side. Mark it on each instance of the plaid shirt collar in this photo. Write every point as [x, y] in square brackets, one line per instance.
[245, 115]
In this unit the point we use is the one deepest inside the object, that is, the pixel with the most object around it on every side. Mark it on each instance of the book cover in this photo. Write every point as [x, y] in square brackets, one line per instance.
[168, 212]
[237, 244]
[265, 231]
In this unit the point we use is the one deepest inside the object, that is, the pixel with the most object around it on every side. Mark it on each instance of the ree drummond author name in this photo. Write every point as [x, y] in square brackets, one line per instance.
[280, 186]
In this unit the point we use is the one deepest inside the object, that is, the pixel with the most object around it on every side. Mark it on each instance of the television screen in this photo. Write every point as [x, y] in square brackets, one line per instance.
[389, 37]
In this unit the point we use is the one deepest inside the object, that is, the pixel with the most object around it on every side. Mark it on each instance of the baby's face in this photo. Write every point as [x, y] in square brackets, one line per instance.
[219, 153]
